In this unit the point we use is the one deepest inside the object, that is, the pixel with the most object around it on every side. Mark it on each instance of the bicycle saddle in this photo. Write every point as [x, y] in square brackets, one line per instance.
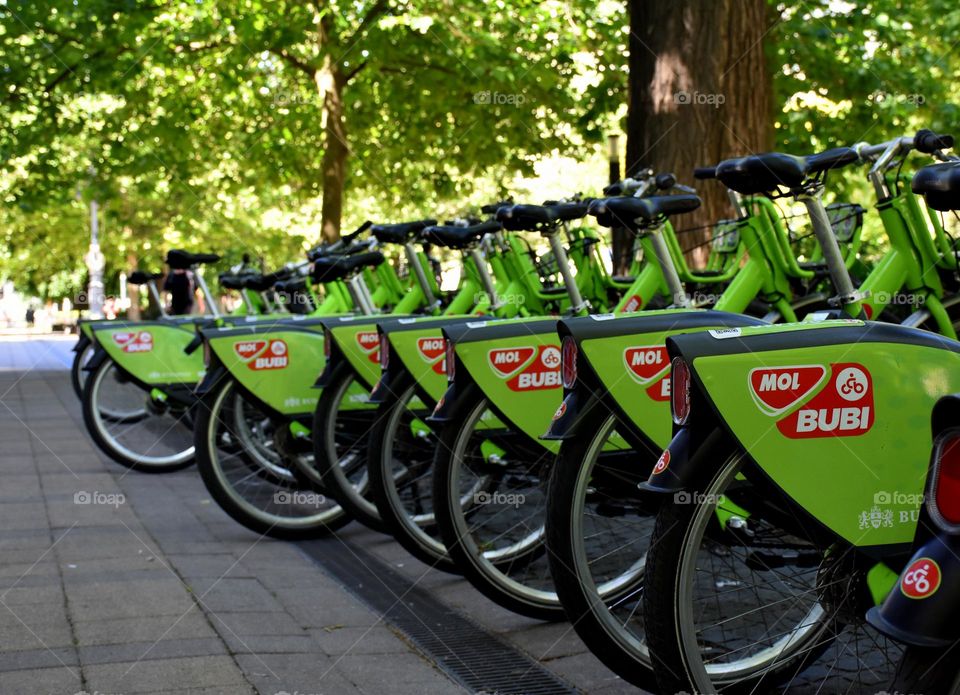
[178, 259]
[399, 233]
[332, 268]
[140, 277]
[940, 185]
[762, 173]
[456, 237]
[291, 286]
[626, 211]
[522, 218]
[234, 281]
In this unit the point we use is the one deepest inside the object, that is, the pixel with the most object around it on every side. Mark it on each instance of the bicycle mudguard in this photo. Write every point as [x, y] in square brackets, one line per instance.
[417, 349]
[81, 343]
[151, 352]
[516, 364]
[833, 413]
[922, 607]
[356, 342]
[622, 362]
[276, 364]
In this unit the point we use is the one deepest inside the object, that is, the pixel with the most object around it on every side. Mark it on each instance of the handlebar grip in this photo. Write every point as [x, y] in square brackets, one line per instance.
[666, 181]
[928, 142]
[614, 189]
[705, 173]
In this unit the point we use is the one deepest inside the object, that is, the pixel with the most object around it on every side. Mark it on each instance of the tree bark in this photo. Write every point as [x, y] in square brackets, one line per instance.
[330, 83]
[700, 91]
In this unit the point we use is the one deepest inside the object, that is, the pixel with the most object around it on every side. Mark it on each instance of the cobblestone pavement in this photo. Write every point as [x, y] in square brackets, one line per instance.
[119, 582]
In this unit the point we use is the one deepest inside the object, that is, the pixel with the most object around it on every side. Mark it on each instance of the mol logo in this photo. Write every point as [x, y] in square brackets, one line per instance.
[527, 368]
[261, 354]
[369, 342]
[135, 341]
[433, 351]
[634, 303]
[776, 390]
[843, 406]
[649, 365]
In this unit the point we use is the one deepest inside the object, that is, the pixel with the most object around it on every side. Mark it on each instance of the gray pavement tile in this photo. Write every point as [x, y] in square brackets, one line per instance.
[256, 623]
[303, 674]
[408, 672]
[28, 633]
[44, 657]
[214, 565]
[163, 674]
[157, 649]
[193, 625]
[374, 639]
[229, 594]
[325, 606]
[41, 681]
[270, 644]
[128, 599]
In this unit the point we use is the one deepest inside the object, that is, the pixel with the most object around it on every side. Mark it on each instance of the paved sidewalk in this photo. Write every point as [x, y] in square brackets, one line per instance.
[120, 582]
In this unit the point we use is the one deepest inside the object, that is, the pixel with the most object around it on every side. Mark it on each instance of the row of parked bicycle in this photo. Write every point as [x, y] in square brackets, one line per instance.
[717, 474]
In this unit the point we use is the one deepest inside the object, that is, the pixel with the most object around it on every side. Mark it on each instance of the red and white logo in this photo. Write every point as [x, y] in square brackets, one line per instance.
[635, 303]
[843, 407]
[139, 341]
[662, 462]
[260, 354]
[527, 368]
[433, 351]
[921, 579]
[508, 361]
[649, 365]
[369, 342]
[561, 411]
[777, 389]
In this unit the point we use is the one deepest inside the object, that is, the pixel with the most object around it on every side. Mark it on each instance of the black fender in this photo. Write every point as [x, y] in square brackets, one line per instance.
[930, 621]
[678, 468]
[81, 343]
[99, 357]
[946, 413]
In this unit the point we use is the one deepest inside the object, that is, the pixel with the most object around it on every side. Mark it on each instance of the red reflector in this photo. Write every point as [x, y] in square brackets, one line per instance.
[449, 359]
[384, 351]
[680, 390]
[947, 482]
[568, 362]
[327, 342]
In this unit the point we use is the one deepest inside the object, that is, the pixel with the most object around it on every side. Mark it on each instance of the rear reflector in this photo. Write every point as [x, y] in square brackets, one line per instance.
[384, 351]
[946, 482]
[680, 390]
[449, 358]
[568, 362]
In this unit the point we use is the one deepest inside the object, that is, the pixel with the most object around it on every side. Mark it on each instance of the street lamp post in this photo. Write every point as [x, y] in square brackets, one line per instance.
[95, 265]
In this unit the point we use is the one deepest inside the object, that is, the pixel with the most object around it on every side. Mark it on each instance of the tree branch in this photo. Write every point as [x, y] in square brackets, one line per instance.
[298, 64]
[377, 10]
[349, 75]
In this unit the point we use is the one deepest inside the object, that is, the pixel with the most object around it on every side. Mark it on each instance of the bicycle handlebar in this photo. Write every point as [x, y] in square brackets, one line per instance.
[928, 142]
[705, 173]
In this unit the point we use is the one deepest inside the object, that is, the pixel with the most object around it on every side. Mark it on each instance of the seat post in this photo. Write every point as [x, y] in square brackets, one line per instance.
[577, 305]
[361, 295]
[668, 268]
[421, 275]
[847, 294]
[207, 295]
[155, 293]
[485, 279]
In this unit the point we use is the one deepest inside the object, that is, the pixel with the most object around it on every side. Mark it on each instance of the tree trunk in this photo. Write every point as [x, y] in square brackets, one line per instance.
[330, 83]
[699, 92]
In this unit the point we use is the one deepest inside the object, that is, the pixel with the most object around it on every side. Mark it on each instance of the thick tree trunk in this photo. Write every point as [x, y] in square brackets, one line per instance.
[700, 91]
[330, 83]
